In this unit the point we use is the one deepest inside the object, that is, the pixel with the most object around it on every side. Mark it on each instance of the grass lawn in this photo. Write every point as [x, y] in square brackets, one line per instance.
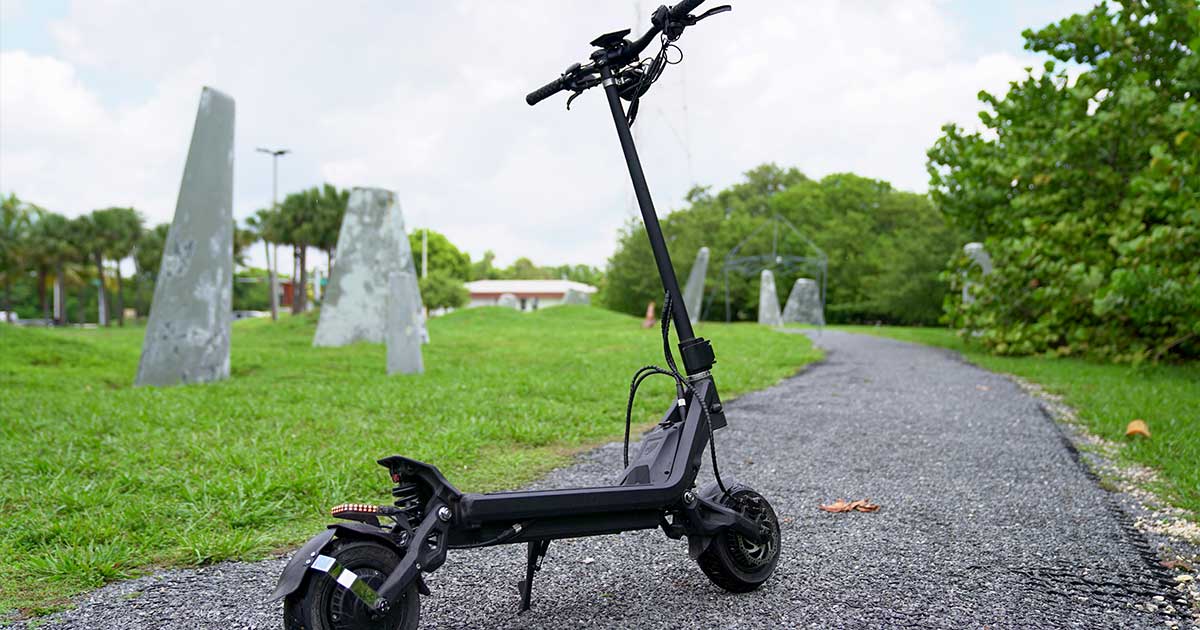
[1107, 397]
[101, 481]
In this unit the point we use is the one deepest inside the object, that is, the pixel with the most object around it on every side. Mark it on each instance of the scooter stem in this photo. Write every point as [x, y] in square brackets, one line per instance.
[683, 324]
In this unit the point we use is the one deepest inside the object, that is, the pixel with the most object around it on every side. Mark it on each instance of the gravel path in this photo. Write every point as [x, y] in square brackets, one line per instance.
[988, 520]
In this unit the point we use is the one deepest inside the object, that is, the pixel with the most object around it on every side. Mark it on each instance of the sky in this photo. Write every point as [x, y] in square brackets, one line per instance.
[98, 99]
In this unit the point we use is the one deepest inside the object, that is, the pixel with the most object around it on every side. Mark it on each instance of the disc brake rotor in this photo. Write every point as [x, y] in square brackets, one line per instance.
[748, 553]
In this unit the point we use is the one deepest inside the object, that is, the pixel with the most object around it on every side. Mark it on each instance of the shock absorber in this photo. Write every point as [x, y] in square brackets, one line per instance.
[408, 500]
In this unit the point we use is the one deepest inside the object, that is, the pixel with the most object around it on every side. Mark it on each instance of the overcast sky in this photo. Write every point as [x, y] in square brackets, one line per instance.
[98, 98]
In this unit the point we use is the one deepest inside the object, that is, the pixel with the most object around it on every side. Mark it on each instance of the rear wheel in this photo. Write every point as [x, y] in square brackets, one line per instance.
[734, 562]
[323, 604]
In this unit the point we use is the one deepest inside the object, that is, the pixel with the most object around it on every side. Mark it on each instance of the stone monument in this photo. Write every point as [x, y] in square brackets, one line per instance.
[768, 300]
[404, 325]
[574, 296]
[979, 258]
[372, 245]
[508, 300]
[693, 292]
[804, 304]
[187, 336]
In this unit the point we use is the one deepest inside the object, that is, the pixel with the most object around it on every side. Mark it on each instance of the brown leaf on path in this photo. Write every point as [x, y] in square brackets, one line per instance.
[841, 505]
[1178, 563]
[837, 506]
[1138, 427]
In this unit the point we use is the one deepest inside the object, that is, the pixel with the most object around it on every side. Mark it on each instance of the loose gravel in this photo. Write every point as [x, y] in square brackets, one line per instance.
[988, 520]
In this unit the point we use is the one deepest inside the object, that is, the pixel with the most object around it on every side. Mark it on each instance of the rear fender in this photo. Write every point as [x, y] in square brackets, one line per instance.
[298, 567]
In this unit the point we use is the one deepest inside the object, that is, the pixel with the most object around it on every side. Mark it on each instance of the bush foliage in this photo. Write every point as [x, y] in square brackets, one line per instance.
[885, 247]
[1086, 192]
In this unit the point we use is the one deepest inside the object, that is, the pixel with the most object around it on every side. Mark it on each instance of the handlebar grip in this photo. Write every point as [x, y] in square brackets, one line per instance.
[545, 92]
[680, 11]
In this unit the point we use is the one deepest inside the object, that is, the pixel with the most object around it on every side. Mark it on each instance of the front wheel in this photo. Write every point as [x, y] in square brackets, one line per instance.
[322, 604]
[738, 564]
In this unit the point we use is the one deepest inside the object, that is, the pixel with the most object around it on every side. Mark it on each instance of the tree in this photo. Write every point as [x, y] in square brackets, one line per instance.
[483, 269]
[49, 249]
[118, 231]
[442, 254]
[440, 289]
[14, 230]
[242, 240]
[266, 225]
[885, 247]
[327, 222]
[1084, 191]
[81, 234]
[147, 258]
[298, 224]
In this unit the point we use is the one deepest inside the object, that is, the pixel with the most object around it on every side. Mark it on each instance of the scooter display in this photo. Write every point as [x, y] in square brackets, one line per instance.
[366, 571]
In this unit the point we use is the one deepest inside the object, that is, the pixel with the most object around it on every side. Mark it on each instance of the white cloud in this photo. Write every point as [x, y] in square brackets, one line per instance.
[427, 99]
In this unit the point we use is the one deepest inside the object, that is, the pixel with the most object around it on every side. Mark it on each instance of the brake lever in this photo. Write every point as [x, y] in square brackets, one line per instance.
[692, 19]
[581, 85]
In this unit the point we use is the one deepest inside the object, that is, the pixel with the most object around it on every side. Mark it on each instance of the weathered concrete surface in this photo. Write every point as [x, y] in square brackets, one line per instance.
[981, 259]
[187, 337]
[768, 300]
[404, 325]
[804, 304]
[371, 247]
[508, 300]
[693, 291]
[576, 297]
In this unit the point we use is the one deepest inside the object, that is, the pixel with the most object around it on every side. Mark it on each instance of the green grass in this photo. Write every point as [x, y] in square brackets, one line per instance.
[1106, 397]
[101, 481]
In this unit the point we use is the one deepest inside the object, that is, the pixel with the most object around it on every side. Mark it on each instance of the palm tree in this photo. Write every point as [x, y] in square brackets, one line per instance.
[147, 258]
[14, 230]
[298, 219]
[47, 251]
[81, 234]
[328, 222]
[119, 230]
[265, 225]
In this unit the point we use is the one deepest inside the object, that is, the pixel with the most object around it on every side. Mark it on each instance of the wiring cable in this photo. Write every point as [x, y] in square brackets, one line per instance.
[681, 385]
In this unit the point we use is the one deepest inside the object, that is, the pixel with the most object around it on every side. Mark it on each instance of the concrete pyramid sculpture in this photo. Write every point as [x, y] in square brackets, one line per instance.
[187, 337]
[575, 296]
[804, 304]
[371, 247]
[693, 292]
[404, 325]
[768, 300]
[979, 258]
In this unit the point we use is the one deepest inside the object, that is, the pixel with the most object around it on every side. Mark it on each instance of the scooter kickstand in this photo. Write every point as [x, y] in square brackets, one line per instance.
[534, 553]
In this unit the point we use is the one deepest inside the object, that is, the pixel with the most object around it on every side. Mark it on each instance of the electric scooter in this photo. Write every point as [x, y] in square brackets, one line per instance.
[366, 571]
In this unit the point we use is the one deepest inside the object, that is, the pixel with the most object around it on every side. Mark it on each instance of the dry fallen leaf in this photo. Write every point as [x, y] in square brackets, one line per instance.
[1138, 427]
[1178, 563]
[982, 388]
[841, 505]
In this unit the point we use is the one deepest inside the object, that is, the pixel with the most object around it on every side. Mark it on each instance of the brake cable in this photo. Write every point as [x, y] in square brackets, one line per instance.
[681, 384]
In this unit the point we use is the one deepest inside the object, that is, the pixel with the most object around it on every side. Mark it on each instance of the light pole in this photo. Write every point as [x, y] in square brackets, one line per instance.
[272, 264]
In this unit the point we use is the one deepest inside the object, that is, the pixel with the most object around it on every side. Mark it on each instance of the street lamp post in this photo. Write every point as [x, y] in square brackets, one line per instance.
[273, 263]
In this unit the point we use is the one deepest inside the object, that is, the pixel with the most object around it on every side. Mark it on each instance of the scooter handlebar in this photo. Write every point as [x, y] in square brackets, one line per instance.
[682, 9]
[676, 13]
[546, 91]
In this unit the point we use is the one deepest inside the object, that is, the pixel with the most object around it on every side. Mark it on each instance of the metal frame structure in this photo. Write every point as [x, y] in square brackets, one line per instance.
[785, 264]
